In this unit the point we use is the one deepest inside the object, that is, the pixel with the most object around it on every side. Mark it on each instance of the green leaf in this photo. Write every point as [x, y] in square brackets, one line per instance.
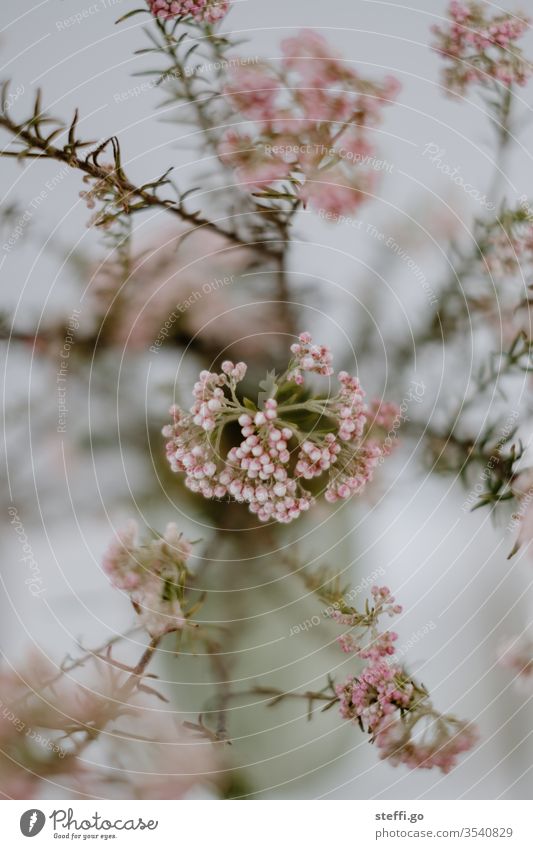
[131, 14]
[268, 386]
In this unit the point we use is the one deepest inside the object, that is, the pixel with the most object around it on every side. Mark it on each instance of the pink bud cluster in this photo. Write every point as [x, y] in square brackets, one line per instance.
[480, 48]
[310, 358]
[374, 694]
[350, 407]
[268, 468]
[381, 646]
[314, 460]
[386, 702]
[259, 474]
[310, 124]
[152, 574]
[354, 472]
[201, 11]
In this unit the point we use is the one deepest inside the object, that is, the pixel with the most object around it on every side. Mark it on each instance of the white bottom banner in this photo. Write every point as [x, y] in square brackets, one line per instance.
[267, 823]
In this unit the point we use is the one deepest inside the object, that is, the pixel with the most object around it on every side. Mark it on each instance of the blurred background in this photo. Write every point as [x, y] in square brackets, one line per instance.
[76, 475]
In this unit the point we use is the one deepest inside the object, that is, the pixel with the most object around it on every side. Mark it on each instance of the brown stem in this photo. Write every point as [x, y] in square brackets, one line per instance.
[327, 695]
[224, 691]
[283, 295]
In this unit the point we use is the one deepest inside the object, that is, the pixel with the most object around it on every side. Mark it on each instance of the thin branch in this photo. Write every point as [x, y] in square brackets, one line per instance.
[133, 198]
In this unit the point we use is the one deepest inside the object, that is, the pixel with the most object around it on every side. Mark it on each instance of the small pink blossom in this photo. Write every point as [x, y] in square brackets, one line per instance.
[251, 164]
[383, 414]
[314, 61]
[336, 192]
[516, 654]
[253, 89]
[381, 646]
[508, 243]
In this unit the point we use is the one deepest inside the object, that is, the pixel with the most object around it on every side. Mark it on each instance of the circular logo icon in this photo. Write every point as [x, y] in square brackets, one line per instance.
[32, 822]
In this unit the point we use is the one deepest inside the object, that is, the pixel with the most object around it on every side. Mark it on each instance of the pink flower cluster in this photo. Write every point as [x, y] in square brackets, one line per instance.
[283, 444]
[386, 702]
[480, 48]
[202, 11]
[152, 574]
[311, 120]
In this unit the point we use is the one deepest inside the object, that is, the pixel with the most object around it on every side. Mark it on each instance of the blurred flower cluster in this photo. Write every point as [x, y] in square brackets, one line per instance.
[49, 719]
[508, 242]
[480, 48]
[310, 126]
[516, 655]
[176, 289]
[153, 574]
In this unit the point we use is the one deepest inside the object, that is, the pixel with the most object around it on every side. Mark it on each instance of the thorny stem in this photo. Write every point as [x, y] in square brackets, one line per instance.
[283, 223]
[129, 191]
[196, 102]
[135, 198]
